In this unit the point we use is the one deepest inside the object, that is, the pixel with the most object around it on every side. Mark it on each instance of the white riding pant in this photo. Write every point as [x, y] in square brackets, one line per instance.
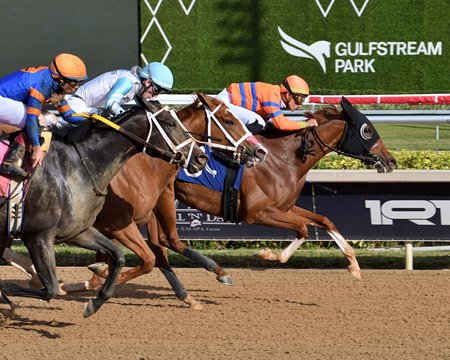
[12, 112]
[246, 116]
[78, 105]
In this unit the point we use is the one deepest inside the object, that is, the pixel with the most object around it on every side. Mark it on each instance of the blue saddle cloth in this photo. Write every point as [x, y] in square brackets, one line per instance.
[213, 175]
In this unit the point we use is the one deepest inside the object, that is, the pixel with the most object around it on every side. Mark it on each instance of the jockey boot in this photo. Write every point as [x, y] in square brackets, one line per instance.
[10, 166]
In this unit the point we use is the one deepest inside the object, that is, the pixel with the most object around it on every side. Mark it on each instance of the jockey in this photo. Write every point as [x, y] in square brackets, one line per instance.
[258, 103]
[22, 95]
[115, 88]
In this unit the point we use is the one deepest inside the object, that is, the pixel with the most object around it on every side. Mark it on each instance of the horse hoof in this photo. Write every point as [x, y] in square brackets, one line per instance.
[193, 304]
[263, 254]
[225, 279]
[89, 309]
[266, 254]
[355, 272]
[61, 291]
[98, 268]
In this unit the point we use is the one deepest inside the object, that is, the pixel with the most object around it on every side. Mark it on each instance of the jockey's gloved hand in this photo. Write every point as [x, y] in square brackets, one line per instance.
[255, 127]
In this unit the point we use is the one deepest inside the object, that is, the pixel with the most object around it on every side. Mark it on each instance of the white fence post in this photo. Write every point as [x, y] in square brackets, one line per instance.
[409, 255]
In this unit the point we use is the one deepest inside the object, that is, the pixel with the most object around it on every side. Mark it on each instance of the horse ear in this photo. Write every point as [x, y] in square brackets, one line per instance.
[205, 100]
[151, 105]
[353, 114]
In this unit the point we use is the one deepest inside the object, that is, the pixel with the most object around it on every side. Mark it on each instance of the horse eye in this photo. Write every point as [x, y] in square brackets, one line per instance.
[229, 122]
[366, 132]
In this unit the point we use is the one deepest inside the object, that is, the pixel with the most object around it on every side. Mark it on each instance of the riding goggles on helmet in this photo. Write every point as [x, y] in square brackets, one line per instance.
[72, 83]
[298, 98]
[159, 89]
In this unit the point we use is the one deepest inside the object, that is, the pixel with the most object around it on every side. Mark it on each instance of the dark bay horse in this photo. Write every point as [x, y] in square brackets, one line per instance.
[269, 192]
[68, 191]
[134, 192]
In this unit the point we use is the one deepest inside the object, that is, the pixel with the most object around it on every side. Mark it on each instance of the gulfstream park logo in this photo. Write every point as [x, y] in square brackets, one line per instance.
[356, 57]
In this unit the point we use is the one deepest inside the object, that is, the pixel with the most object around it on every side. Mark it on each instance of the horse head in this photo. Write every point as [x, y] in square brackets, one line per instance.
[359, 138]
[225, 132]
[176, 144]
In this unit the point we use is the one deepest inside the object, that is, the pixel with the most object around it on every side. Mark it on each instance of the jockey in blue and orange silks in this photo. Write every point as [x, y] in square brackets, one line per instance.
[258, 103]
[22, 95]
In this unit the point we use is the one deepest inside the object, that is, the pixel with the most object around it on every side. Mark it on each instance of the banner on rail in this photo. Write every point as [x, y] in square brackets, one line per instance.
[394, 211]
[338, 46]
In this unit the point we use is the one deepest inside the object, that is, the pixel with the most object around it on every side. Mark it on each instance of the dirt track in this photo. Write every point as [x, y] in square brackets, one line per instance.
[267, 314]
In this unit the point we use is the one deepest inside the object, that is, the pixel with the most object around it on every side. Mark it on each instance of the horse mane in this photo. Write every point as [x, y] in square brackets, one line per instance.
[70, 134]
[328, 113]
[189, 110]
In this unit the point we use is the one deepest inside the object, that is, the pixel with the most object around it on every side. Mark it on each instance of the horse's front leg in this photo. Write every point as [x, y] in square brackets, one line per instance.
[94, 240]
[42, 253]
[297, 219]
[165, 213]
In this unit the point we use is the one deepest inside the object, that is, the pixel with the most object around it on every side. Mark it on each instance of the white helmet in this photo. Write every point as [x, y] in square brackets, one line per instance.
[159, 74]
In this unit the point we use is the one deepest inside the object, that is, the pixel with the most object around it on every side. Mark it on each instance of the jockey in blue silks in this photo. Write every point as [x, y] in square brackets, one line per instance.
[114, 88]
[22, 95]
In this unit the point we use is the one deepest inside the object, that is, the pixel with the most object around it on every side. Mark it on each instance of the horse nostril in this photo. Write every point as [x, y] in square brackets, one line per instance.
[261, 153]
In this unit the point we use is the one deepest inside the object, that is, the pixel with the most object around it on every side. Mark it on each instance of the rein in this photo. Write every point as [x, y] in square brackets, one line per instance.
[371, 158]
[175, 158]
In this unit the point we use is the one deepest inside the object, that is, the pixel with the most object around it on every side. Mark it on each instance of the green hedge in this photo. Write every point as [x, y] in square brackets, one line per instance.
[406, 160]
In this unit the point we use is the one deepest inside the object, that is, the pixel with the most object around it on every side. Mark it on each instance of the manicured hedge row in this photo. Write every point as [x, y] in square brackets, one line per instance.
[406, 160]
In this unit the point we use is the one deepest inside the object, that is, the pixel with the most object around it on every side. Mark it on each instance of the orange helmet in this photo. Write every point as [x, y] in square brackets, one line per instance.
[295, 84]
[69, 67]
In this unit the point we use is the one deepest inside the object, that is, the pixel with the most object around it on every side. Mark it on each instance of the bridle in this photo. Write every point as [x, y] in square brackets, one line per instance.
[369, 159]
[237, 148]
[175, 149]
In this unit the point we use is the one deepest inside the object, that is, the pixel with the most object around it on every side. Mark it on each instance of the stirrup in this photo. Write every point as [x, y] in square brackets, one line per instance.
[13, 172]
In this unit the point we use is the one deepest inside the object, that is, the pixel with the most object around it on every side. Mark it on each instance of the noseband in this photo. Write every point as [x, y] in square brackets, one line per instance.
[236, 144]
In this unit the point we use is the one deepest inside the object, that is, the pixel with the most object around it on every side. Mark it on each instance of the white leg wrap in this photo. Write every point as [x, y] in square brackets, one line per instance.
[339, 239]
[287, 253]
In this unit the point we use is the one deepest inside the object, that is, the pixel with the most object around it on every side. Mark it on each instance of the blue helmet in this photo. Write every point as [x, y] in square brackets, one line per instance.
[159, 74]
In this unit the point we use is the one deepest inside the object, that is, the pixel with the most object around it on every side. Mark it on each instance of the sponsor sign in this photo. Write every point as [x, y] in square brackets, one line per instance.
[360, 211]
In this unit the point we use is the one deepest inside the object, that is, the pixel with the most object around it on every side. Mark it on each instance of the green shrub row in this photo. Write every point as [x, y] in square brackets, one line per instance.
[406, 160]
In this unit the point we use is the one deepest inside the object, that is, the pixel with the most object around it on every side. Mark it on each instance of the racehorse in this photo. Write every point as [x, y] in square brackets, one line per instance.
[134, 192]
[68, 191]
[269, 192]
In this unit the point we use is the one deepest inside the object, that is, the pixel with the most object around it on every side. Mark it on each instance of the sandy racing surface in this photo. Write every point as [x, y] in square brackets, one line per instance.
[267, 314]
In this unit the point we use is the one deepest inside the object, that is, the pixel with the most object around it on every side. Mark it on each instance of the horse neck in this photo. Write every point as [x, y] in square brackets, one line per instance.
[107, 151]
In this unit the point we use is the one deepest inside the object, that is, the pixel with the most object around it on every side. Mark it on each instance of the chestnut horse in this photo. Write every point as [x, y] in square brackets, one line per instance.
[68, 191]
[269, 192]
[134, 192]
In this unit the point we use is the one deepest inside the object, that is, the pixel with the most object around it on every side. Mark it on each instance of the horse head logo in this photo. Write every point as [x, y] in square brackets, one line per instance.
[318, 50]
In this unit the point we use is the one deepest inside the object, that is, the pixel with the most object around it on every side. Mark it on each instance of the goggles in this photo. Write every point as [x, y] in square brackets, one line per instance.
[72, 83]
[299, 99]
[158, 89]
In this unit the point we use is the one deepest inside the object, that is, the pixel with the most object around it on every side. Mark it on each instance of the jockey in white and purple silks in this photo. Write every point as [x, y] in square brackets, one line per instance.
[22, 95]
[114, 88]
